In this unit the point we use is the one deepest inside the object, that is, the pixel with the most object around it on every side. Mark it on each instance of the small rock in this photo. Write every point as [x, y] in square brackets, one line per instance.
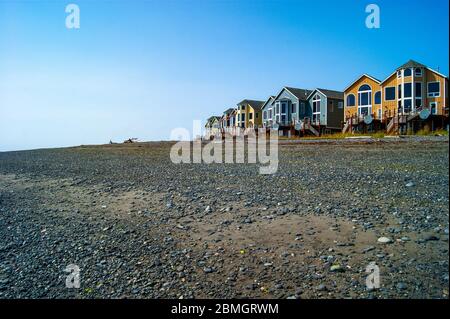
[384, 240]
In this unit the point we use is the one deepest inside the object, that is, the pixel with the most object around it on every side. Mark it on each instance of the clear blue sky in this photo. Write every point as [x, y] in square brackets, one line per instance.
[142, 68]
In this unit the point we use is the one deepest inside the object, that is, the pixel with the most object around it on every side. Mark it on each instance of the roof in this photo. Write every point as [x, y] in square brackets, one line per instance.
[411, 64]
[253, 103]
[271, 98]
[365, 74]
[338, 95]
[301, 94]
[211, 118]
[228, 111]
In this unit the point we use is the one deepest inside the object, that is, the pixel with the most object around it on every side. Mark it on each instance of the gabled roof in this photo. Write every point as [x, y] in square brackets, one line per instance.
[301, 94]
[212, 118]
[228, 111]
[253, 103]
[338, 95]
[366, 75]
[269, 100]
[412, 64]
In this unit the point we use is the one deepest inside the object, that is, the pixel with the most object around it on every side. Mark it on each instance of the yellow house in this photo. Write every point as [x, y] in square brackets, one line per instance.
[413, 87]
[363, 97]
[248, 114]
[410, 94]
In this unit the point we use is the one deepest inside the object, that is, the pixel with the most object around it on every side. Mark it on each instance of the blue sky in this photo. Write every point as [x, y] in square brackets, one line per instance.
[143, 68]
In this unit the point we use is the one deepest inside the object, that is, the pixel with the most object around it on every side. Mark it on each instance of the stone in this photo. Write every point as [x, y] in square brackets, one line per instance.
[384, 240]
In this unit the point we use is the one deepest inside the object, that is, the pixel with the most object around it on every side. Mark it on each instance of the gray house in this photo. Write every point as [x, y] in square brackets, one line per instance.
[289, 107]
[326, 109]
[267, 111]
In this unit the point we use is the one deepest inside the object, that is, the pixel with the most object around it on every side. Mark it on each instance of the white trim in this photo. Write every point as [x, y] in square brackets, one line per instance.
[434, 71]
[370, 77]
[345, 100]
[369, 99]
[428, 94]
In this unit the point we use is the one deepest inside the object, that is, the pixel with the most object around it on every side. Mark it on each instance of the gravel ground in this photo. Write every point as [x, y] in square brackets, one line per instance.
[139, 226]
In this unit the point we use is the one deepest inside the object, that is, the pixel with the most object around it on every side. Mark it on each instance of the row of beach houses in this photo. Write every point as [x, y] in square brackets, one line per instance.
[411, 98]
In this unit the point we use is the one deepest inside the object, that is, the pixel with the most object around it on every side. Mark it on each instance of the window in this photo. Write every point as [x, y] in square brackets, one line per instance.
[243, 117]
[418, 89]
[378, 97]
[350, 100]
[399, 91]
[407, 90]
[270, 114]
[250, 116]
[293, 108]
[364, 100]
[433, 107]
[379, 113]
[331, 106]
[265, 115]
[434, 89]
[407, 72]
[418, 72]
[399, 73]
[277, 108]
[418, 103]
[340, 105]
[407, 105]
[239, 117]
[302, 107]
[283, 108]
[243, 107]
[389, 93]
[316, 109]
[256, 115]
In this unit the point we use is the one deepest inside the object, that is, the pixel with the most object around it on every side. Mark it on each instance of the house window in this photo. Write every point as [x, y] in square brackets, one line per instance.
[418, 94]
[407, 104]
[350, 100]
[340, 105]
[399, 91]
[378, 97]
[331, 106]
[270, 113]
[293, 108]
[277, 108]
[418, 72]
[389, 93]
[407, 90]
[283, 108]
[302, 108]
[243, 117]
[239, 117]
[250, 116]
[256, 115]
[316, 109]
[379, 113]
[364, 100]
[418, 89]
[433, 107]
[399, 73]
[243, 107]
[265, 115]
[407, 72]
[434, 89]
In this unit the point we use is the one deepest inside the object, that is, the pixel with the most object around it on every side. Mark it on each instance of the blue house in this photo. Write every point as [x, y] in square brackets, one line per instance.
[326, 109]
